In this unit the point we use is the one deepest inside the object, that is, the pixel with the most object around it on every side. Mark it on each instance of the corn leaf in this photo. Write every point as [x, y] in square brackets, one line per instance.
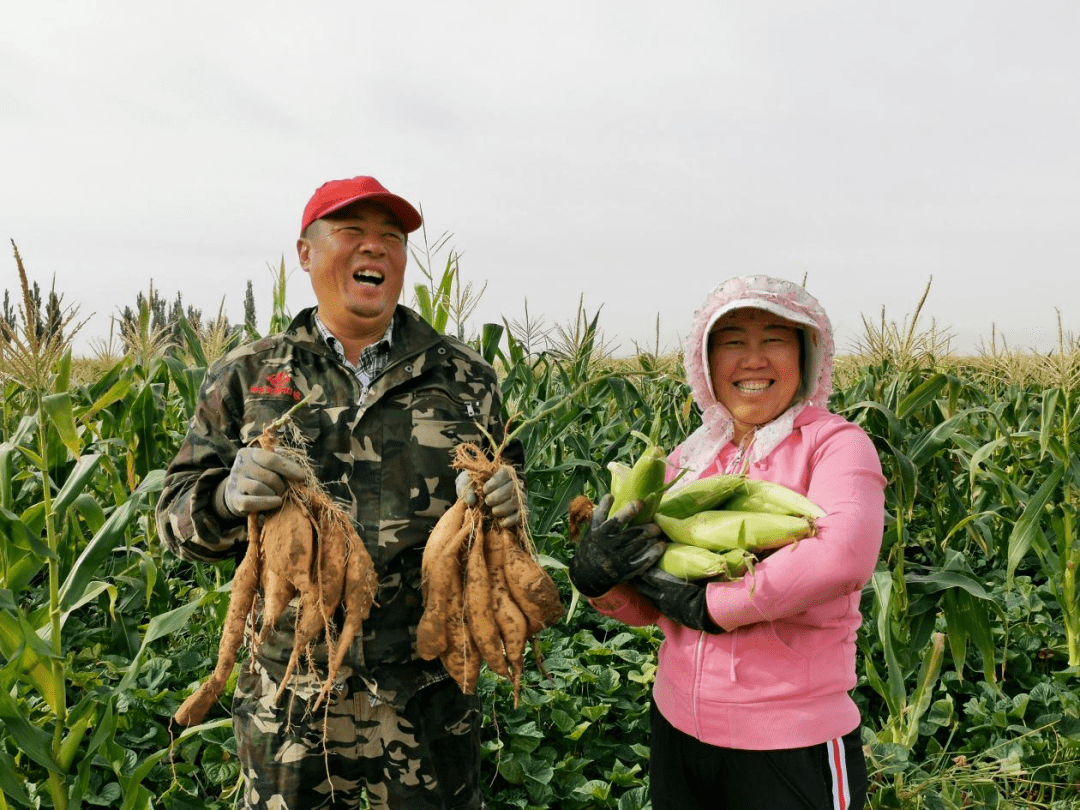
[76, 481]
[115, 393]
[423, 303]
[927, 445]
[62, 381]
[7, 457]
[921, 396]
[969, 618]
[105, 540]
[146, 417]
[58, 408]
[104, 732]
[20, 644]
[924, 689]
[1027, 530]
[24, 535]
[194, 345]
[187, 379]
[21, 571]
[490, 336]
[90, 510]
[893, 690]
[92, 592]
[30, 739]
[895, 433]
[905, 482]
[1047, 412]
[165, 624]
[980, 456]
[12, 782]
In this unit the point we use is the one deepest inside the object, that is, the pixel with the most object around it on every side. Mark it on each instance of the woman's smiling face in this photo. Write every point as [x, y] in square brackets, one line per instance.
[754, 365]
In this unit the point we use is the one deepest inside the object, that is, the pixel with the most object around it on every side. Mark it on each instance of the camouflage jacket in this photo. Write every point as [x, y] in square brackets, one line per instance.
[383, 456]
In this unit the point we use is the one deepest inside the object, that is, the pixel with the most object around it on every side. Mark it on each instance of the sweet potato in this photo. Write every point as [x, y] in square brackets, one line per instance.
[531, 587]
[359, 587]
[446, 529]
[508, 616]
[461, 658]
[309, 622]
[277, 593]
[306, 547]
[332, 549]
[495, 583]
[479, 608]
[288, 541]
[241, 600]
[443, 575]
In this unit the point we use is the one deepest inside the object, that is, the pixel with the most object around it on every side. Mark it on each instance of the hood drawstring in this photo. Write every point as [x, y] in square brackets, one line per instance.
[734, 645]
[741, 459]
[739, 464]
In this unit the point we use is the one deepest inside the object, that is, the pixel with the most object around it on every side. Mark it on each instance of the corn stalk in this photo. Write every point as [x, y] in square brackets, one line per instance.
[56, 730]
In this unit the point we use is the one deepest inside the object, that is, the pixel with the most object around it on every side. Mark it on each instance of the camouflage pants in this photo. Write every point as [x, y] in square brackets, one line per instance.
[425, 756]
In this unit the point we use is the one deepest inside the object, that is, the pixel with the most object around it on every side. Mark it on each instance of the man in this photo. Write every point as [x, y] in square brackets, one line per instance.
[389, 399]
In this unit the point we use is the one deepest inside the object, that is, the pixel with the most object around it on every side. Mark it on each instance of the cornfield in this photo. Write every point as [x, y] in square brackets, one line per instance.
[970, 649]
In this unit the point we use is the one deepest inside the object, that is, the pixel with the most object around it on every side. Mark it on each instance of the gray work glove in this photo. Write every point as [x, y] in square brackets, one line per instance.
[500, 495]
[610, 553]
[677, 599]
[256, 482]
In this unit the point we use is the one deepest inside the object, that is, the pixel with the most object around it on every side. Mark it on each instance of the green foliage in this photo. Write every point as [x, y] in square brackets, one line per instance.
[968, 668]
[980, 508]
[579, 738]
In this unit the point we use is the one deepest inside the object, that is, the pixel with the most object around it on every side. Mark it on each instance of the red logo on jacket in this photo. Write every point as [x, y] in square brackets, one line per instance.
[278, 386]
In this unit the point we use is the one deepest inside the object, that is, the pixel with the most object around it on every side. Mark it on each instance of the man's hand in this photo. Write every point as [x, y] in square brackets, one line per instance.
[611, 553]
[256, 482]
[677, 599]
[500, 495]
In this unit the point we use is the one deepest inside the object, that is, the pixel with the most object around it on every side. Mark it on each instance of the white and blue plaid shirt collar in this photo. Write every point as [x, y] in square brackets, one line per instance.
[373, 359]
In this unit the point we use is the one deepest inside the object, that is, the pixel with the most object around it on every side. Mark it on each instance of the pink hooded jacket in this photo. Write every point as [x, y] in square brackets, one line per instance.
[781, 673]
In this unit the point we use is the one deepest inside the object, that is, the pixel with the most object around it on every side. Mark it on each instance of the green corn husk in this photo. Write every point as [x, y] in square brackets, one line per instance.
[694, 562]
[644, 481]
[620, 474]
[776, 499]
[719, 530]
[699, 496]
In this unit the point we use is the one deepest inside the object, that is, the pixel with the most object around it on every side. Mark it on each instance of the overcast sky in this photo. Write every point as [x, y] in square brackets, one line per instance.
[627, 154]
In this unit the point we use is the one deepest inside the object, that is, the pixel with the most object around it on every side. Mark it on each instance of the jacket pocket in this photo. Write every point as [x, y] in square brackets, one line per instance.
[758, 666]
[440, 421]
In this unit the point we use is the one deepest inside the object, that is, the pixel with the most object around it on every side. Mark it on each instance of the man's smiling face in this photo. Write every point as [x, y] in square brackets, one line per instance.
[356, 259]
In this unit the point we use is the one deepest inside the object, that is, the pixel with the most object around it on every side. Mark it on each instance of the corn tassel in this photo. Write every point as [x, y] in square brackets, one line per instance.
[693, 562]
[698, 496]
[644, 481]
[719, 530]
[773, 498]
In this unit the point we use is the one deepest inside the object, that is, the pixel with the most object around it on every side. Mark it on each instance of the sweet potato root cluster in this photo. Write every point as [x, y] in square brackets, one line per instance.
[307, 547]
[485, 593]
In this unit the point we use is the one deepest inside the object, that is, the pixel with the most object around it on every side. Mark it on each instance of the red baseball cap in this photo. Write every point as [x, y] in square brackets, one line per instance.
[336, 194]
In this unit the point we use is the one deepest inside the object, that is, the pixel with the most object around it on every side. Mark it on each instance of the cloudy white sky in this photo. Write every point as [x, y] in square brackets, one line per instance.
[626, 154]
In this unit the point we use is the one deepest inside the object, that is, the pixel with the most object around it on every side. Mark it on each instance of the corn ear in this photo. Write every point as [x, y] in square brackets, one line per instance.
[698, 496]
[719, 530]
[644, 481]
[767, 496]
[693, 562]
[620, 474]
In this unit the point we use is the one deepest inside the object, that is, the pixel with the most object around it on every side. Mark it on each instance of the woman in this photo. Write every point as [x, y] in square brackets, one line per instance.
[751, 704]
